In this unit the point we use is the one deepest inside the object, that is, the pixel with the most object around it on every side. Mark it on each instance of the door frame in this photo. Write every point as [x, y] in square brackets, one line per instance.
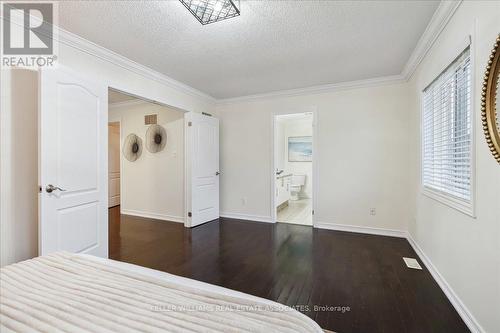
[314, 111]
[146, 99]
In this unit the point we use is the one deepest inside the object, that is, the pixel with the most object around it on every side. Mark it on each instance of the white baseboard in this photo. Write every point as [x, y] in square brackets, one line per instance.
[155, 216]
[361, 229]
[462, 310]
[255, 218]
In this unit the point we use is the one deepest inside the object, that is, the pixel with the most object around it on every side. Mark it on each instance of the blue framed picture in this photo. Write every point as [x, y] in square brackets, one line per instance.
[300, 149]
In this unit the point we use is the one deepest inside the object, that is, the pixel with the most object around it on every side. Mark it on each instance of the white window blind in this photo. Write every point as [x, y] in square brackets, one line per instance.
[446, 122]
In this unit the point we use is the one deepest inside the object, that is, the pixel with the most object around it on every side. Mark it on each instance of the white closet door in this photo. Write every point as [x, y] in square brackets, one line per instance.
[202, 161]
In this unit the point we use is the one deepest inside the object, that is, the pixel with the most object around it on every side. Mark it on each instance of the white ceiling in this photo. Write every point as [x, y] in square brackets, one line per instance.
[117, 97]
[272, 46]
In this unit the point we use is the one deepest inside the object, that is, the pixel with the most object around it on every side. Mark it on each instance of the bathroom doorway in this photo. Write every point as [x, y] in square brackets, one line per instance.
[293, 168]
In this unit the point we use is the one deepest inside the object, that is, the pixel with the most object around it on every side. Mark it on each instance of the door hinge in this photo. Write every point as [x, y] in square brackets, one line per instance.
[313, 212]
[190, 124]
[190, 214]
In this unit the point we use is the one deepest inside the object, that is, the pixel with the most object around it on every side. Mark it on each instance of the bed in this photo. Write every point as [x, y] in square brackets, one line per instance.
[64, 292]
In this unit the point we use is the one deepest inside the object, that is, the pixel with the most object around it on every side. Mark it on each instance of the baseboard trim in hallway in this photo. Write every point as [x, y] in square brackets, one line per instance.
[322, 225]
[253, 218]
[154, 216]
[361, 229]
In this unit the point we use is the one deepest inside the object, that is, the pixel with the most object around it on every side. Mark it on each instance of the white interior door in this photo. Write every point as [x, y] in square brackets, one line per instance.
[73, 135]
[202, 164]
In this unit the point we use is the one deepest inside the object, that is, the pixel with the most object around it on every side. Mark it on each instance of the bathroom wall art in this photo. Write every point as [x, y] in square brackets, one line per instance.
[300, 149]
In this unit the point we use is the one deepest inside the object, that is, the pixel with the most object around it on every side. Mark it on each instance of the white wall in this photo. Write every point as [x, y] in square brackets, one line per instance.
[465, 250]
[362, 156]
[153, 185]
[18, 166]
[95, 67]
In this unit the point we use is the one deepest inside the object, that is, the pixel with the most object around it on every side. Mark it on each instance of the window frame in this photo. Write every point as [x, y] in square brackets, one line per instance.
[461, 205]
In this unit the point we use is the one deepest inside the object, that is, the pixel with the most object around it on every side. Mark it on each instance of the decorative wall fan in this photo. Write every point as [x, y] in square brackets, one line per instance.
[156, 138]
[132, 147]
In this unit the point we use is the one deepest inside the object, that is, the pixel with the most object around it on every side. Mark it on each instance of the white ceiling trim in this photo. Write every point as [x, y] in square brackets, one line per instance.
[379, 81]
[438, 22]
[82, 44]
[436, 25]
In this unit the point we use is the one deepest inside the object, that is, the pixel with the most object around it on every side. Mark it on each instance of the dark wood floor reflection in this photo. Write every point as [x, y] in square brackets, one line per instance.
[346, 282]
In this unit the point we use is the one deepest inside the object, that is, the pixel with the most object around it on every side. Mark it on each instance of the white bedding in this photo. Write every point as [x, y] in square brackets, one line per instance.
[64, 292]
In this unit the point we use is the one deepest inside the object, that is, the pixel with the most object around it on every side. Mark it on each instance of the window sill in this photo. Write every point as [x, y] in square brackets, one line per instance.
[446, 199]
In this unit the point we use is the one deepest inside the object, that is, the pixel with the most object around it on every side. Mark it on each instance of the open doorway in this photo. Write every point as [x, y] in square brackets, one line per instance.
[73, 179]
[293, 168]
[145, 158]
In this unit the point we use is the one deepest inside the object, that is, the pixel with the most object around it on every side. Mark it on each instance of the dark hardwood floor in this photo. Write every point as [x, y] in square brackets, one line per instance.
[346, 282]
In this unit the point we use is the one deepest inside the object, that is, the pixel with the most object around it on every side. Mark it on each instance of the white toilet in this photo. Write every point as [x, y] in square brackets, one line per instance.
[296, 184]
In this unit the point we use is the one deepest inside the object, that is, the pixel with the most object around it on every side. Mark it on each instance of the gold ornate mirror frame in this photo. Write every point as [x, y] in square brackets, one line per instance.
[490, 114]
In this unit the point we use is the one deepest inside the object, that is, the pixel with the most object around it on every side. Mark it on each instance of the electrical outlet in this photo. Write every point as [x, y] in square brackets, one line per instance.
[373, 211]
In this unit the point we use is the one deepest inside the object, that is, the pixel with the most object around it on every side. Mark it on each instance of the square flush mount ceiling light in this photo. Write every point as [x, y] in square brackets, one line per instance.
[210, 11]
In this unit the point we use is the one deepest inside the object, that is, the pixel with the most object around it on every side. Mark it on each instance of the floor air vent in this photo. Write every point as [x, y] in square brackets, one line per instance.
[412, 263]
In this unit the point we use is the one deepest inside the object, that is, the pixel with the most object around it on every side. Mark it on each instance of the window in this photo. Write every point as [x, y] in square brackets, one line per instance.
[447, 135]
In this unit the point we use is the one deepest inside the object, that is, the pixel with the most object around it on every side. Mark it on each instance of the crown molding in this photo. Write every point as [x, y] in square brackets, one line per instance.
[86, 46]
[438, 22]
[378, 81]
